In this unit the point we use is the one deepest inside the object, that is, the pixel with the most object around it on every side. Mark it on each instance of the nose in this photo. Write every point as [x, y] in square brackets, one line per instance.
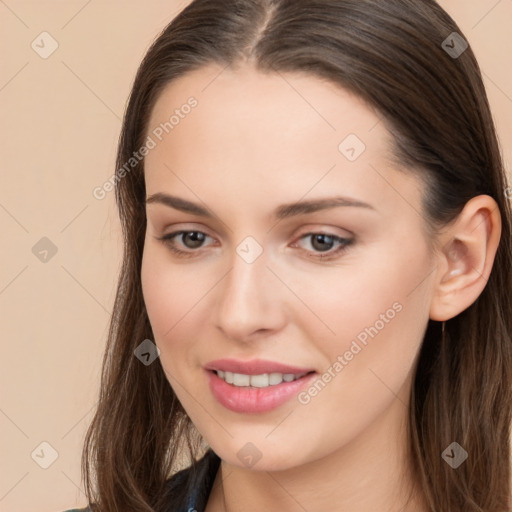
[249, 301]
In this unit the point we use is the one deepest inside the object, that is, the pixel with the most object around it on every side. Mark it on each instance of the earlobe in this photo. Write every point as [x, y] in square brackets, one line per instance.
[465, 261]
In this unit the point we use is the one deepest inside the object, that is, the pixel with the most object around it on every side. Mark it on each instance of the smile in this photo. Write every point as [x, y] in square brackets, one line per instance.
[256, 393]
[257, 381]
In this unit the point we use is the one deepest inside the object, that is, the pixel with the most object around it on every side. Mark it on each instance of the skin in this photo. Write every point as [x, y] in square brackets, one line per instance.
[254, 142]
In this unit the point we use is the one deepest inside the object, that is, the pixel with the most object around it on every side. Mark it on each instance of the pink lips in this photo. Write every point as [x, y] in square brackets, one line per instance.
[254, 367]
[254, 400]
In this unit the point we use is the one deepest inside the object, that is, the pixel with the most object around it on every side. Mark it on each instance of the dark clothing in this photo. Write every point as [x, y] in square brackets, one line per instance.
[200, 483]
[196, 482]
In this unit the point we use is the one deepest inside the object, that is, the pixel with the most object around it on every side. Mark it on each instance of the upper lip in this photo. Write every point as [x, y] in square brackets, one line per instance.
[254, 367]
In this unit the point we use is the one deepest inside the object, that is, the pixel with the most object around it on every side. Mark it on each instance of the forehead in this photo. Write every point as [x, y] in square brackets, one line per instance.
[233, 103]
[258, 131]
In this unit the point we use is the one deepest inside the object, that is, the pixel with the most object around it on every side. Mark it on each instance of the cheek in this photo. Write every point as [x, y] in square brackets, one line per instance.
[165, 296]
[378, 311]
[159, 286]
[174, 297]
[366, 296]
[379, 314]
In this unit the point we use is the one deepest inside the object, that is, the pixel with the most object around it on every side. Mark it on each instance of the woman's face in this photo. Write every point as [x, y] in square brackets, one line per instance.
[275, 266]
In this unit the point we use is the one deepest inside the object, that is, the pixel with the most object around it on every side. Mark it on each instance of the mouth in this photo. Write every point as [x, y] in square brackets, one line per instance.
[263, 380]
[257, 392]
[255, 367]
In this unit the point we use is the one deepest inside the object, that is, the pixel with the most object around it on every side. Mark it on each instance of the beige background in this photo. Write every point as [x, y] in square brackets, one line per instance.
[60, 119]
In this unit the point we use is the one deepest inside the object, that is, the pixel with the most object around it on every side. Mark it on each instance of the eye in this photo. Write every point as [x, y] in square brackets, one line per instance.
[188, 239]
[322, 244]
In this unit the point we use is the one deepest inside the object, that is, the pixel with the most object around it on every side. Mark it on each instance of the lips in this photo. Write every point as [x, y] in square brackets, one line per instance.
[255, 367]
[255, 400]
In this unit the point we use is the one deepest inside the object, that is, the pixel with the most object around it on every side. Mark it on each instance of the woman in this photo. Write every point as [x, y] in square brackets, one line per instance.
[315, 298]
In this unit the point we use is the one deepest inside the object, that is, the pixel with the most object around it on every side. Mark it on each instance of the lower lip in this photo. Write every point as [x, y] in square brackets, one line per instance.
[248, 400]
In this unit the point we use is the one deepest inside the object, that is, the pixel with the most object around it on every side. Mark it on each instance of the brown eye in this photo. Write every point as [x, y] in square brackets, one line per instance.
[192, 239]
[325, 246]
[322, 242]
[189, 240]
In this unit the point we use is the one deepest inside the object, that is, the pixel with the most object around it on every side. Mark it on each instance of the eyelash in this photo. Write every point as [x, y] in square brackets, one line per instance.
[345, 243]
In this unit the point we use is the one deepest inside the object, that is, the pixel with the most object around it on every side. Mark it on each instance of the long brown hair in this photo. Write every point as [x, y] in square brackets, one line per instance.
[391, 54]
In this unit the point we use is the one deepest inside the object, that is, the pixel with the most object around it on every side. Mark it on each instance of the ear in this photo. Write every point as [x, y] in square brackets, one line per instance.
[464, 263]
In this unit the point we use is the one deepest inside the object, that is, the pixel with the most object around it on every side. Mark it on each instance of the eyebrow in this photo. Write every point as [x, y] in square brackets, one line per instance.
[282, 212]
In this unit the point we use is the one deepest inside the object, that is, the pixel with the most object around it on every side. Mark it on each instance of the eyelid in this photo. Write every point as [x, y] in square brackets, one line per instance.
[310, 231]
[176, 234]
[343, 243]
[324, 229]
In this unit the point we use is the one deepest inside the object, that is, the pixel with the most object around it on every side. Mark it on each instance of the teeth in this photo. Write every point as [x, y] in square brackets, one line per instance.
[257, 381]
[241, 380]
[275, 378]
